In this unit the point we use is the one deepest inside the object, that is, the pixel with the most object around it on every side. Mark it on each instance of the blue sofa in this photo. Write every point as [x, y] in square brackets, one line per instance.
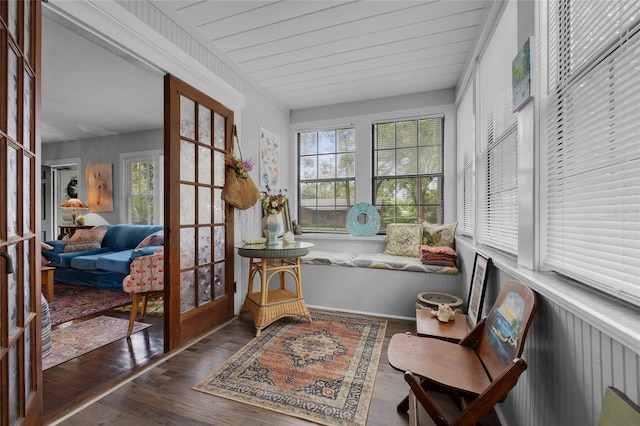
[107, 266]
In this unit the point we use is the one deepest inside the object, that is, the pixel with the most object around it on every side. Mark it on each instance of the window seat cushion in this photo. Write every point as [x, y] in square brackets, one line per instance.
[332, 258]
[374, 260]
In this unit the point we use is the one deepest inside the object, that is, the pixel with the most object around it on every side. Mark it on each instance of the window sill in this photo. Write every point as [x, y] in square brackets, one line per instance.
[326, 236]
[616, 318]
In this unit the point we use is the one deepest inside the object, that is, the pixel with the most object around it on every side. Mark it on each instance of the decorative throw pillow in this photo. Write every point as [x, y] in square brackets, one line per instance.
[439, 235]
[403, 240]
[86, 239]
[155, 239]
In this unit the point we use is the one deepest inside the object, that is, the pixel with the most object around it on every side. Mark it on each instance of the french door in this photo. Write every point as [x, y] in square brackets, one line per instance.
[20, 348]
[199, 252]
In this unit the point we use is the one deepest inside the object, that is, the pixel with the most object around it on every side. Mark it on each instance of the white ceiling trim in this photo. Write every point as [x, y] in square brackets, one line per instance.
[116, 26]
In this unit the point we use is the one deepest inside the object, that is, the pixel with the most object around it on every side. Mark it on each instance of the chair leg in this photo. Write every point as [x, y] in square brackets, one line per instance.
[403, 406]
[145, 298]
[135, 302]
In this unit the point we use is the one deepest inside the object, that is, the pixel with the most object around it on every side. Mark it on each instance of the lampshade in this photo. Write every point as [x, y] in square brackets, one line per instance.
[74, 203]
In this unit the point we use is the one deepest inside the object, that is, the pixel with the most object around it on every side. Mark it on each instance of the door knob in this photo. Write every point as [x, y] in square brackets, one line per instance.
[7, 258]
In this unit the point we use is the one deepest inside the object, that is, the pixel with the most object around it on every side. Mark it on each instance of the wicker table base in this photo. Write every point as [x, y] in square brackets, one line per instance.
[265, 305]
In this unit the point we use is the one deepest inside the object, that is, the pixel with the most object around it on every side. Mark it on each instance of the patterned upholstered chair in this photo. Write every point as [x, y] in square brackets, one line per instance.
[145, 279]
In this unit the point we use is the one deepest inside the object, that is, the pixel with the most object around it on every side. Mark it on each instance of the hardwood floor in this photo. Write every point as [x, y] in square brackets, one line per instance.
[73, 383]
[164, 394]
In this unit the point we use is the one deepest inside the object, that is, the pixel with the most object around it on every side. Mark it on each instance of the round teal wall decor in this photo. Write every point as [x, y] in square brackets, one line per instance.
[371, 224]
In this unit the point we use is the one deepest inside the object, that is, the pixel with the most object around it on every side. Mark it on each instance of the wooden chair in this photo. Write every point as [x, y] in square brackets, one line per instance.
[479, 371]
[145, 279]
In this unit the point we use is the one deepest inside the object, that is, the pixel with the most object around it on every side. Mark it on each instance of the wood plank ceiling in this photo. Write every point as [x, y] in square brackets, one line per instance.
[304, 53]
[313, 53]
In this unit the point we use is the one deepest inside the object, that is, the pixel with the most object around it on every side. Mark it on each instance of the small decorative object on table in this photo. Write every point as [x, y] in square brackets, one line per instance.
[288, 238]
[273, 206]
[274, 228]
[444, 313]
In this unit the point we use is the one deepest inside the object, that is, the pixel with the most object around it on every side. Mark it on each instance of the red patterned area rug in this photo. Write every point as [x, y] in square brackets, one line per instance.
[76, 301]
[322, 372]
[79, 339]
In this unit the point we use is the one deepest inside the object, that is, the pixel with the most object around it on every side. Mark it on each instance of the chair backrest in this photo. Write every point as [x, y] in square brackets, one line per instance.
[506, 326]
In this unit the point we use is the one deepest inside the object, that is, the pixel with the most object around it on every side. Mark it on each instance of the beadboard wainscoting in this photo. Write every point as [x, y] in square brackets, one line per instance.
[580, 343]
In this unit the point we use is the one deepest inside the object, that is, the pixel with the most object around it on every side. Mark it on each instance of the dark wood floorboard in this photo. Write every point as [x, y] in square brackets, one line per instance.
[69, 385]
[164, 394]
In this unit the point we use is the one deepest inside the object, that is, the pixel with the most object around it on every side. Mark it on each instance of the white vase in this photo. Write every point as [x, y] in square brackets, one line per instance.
[273, 227]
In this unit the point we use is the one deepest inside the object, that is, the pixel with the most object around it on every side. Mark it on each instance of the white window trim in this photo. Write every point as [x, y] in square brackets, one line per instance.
[157, 157]
[363, 125]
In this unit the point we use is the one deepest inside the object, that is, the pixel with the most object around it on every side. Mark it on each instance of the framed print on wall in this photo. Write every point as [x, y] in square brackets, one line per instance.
[269, 159]
[99, 187]
[481, 267]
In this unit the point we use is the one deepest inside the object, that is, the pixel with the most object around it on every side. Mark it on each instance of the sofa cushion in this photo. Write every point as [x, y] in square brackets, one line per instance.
[118, 261]
[86, 239]
[63, 260]
[125, 237]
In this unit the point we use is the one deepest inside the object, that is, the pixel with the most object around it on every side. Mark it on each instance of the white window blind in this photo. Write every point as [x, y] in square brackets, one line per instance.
[466, 148]
[593, 155]
[498, 183]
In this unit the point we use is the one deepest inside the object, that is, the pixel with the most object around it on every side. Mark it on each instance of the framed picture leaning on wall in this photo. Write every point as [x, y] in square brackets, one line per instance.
[479, 277]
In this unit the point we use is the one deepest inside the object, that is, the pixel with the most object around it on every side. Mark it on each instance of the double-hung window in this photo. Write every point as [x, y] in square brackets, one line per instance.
[592, 202]
[497, 183]
[408, 170]
[142, 188]
[327, 178]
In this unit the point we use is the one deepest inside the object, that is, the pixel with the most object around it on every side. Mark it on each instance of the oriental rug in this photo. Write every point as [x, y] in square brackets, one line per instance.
[81, 338]
[76, 301]
[322, 372]
[155, 308]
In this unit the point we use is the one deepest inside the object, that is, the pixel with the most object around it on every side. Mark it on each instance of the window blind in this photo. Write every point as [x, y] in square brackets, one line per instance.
[466, 148]
[498, 183]
[593, 154]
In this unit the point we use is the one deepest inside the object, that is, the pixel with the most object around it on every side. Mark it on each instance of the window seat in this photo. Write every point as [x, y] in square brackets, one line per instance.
[372, 283]
[373, 260]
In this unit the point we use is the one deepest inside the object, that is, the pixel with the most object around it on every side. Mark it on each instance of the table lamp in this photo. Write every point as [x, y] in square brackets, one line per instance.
[74, 203]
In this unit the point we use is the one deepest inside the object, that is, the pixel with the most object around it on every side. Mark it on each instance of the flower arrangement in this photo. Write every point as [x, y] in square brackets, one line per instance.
[242, 167]
[273, 203]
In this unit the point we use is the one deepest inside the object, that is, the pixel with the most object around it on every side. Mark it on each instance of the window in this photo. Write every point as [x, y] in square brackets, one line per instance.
[466, 161]
[497, 202]
[142, 195]
[593, 151]
[327, 178]
[408, 171]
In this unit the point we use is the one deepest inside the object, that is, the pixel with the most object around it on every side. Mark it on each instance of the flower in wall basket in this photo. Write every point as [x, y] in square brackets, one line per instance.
[273, 203]
[242, 167]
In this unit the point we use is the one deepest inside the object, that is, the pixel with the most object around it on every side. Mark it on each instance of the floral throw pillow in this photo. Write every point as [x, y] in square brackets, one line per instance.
[439, 235]
[403, 240]
[86, 239]
[155, 239]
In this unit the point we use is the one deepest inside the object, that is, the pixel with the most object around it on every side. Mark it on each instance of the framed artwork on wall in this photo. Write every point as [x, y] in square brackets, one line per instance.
[521, 77]
[269, 159]
[479, 277]
[99, 187]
